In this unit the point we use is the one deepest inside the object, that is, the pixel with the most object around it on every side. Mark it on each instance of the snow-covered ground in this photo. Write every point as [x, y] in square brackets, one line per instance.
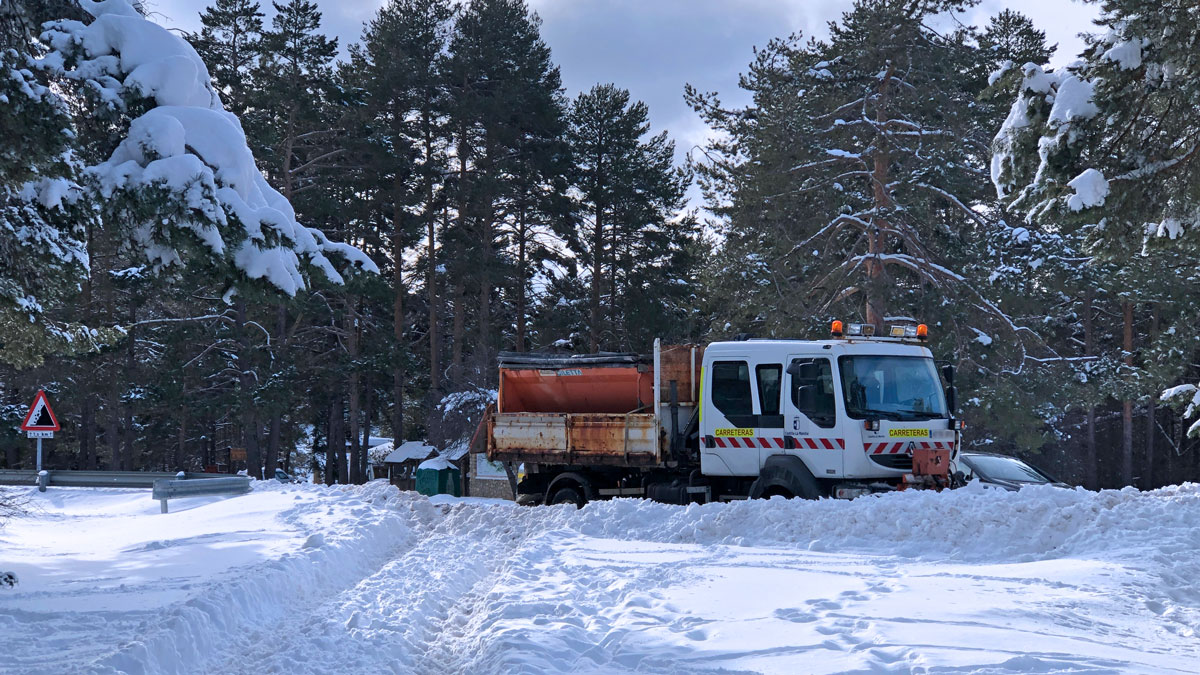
[306, 579]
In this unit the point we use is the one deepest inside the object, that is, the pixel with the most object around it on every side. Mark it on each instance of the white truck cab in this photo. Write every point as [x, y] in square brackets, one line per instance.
[851, 409]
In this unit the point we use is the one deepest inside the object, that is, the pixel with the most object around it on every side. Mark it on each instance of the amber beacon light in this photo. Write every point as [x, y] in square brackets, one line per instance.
[836, 329]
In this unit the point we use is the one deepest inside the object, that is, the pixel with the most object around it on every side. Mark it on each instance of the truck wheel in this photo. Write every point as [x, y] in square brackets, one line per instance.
[785, 476]
[567, 495]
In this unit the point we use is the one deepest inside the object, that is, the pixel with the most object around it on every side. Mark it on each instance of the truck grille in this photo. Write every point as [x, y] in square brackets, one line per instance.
[900, 461]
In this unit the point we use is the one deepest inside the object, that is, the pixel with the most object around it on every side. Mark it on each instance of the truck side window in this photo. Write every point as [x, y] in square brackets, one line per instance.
[731, 388]
[770, 376]
[812, 390]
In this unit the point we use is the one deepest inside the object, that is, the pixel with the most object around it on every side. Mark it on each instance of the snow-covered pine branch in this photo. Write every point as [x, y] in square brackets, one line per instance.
[185, 155]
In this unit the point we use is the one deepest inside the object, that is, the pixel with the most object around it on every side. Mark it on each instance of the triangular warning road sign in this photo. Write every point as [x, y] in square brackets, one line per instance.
[40, 416]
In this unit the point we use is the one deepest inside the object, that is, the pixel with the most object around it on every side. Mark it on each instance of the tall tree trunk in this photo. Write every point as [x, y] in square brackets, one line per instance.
[876, 309]
[1151, 412]
[457, 331]
[333, 440]
[246, 385]
[1127, 405]
[398, 373]
[355, 460]
[181, 440]
[522, 271]
[87, 431]
[487, 233]
[613, 267]
[597, 267]
[275, 433]
[368, 416]
[113, 433]
[130, 435]
[274, 436]
[1092, 468]
[343, 457]
[435, 342]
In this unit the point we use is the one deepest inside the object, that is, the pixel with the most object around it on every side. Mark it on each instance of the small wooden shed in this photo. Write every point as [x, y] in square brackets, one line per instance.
[402, 462]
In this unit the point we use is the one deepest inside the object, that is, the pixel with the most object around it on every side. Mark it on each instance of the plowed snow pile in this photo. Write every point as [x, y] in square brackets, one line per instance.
[310, 579]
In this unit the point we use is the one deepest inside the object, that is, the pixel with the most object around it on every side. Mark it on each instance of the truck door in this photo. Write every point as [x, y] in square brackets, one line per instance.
[810, 415]
[730, 423]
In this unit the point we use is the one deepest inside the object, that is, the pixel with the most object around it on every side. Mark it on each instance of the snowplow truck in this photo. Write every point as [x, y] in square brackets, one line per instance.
[749, 418]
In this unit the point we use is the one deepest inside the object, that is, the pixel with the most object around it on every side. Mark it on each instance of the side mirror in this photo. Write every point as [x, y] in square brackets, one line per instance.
[948, 373]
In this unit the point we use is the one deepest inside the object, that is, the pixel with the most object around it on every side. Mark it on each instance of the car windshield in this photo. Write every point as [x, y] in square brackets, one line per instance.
[892, 387]
[1005, 469]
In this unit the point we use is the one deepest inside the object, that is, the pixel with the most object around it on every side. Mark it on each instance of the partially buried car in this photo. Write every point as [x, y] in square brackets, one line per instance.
[1003, 471]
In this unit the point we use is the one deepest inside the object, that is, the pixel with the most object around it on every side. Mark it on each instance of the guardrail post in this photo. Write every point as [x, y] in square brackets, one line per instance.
[43, 479]
[163, 504]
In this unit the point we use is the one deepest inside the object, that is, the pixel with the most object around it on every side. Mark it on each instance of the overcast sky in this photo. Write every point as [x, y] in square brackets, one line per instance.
[654, 47]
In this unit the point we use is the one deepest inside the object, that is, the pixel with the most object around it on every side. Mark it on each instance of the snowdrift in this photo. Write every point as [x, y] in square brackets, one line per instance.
[393, 580]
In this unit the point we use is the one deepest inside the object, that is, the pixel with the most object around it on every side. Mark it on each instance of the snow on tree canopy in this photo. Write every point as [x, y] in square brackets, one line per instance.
[1070, 98]
[1073, 100]
[189, 145]
[1127, 54]
[1090, 190]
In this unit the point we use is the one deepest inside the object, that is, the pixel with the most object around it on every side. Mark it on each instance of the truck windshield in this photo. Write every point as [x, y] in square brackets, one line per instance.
[892, 387]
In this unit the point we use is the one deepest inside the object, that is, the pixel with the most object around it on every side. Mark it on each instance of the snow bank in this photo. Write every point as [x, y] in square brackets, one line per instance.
[968, 524]
[392, 581]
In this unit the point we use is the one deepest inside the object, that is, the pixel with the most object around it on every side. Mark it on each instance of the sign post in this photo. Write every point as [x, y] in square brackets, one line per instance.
[40, 423]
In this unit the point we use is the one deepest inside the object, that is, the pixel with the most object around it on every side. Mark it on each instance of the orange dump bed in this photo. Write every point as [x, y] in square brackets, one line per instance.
[585, 409]
[612, 389]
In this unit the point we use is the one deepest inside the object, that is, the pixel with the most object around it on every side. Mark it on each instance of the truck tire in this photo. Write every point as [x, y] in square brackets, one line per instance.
[575, 484]
[567, 495]
[785, 475]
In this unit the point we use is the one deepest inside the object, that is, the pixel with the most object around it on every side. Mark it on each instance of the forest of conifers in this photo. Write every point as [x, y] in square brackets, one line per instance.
[1042, 221]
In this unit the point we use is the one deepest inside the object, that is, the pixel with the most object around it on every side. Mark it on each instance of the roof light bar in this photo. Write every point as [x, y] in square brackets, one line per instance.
[919, 332]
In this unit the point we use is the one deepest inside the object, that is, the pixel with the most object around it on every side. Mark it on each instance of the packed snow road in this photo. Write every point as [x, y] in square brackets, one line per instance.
[304, 579]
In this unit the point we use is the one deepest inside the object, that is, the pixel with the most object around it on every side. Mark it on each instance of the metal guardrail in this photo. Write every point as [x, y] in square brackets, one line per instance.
[119, 479]
[171, 489]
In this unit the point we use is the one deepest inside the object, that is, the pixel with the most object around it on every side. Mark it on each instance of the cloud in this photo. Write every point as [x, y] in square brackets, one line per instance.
[654, 47]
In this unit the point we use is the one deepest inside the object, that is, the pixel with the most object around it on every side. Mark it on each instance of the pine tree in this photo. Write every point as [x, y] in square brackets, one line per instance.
[184, 219]
[634, 244]
[42, 255]
[1012, 40]
[403, 152]
[1104, 151]
[505, 103]
[857, 168]
[230, 42]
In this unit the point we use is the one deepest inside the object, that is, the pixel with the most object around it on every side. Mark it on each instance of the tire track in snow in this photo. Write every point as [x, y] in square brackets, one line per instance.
[230, 609]
[392, 620]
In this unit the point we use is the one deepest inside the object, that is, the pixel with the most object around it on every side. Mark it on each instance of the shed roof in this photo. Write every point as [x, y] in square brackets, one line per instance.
[409, 450]
[456, 450]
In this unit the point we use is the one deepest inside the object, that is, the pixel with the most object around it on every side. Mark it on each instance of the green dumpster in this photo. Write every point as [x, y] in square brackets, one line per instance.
[437, 476]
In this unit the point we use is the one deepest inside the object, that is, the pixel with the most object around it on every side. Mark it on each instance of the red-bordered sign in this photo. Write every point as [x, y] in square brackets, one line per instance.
[40, 416]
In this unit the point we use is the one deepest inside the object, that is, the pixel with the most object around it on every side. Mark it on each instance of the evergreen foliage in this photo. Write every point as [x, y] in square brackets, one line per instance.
[183, 299]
